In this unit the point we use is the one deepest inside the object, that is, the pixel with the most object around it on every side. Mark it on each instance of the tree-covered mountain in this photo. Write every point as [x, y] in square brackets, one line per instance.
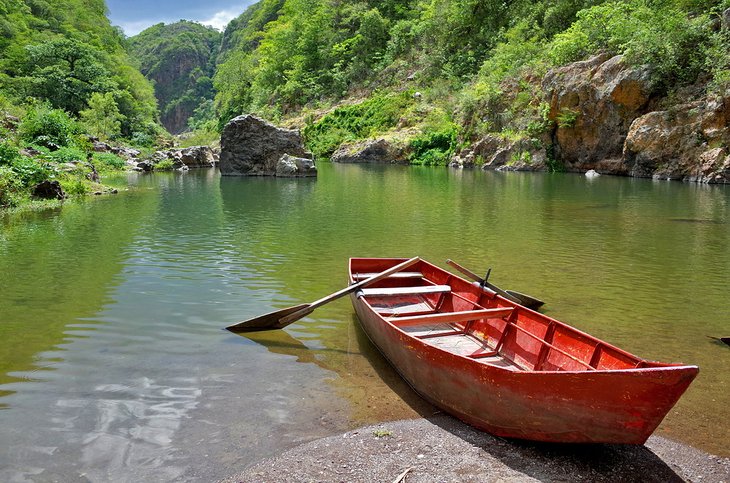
[180, 59]
[310, 50]
[63, 52]
[443, 75]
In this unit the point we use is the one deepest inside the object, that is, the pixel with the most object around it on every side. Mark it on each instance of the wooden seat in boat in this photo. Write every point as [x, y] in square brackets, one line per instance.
[363, 276]
[397, 291]
[452, 317]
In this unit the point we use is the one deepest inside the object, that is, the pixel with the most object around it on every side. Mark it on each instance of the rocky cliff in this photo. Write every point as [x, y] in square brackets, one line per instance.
[180, 59]
[604, 115]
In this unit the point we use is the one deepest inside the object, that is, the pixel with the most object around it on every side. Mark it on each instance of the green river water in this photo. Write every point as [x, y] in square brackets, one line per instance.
[114, 364]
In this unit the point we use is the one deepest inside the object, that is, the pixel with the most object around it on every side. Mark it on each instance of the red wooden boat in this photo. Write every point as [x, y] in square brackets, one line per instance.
[506, 369]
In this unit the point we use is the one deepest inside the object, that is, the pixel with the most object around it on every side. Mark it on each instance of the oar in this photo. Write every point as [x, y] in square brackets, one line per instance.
[517, 297]
[724, 340]
[281, 318]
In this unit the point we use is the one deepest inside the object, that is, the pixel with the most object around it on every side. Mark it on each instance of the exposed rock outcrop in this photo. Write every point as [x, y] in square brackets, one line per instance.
[293, 167]
[499, 153]
[688, 142]
[370, 151]
[124, 152]
[604, 120]
[100, 146]
[593, 104]
[197, 157]
[251, 146]
[182, 159]
[49, 190]
[145, 166]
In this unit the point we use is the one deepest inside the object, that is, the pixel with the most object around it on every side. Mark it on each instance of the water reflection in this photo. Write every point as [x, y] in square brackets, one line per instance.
[113, 364]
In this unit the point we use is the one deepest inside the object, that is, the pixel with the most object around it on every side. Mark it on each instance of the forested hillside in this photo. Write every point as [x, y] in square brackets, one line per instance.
[447, 73]
[635, 87]
[180, 59]
[64, 51]
[65, 75]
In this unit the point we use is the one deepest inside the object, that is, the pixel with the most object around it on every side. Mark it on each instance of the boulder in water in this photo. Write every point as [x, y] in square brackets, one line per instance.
[251, 146]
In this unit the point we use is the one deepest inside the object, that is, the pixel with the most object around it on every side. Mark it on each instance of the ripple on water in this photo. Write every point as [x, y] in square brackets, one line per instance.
[144, 376]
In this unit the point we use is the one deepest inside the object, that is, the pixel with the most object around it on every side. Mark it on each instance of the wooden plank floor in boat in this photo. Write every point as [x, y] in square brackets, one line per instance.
[448, 338]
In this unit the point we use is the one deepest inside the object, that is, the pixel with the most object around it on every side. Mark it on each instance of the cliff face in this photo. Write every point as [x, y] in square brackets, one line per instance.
[180, 59]
[618, 127]
[688, 142]
[603, 115]
[592, 105]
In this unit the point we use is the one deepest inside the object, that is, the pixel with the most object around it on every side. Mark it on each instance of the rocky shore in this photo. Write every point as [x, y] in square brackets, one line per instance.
[598, 114]
[441, 448]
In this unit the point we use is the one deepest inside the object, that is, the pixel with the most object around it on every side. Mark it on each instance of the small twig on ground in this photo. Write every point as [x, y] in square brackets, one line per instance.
[402, 476]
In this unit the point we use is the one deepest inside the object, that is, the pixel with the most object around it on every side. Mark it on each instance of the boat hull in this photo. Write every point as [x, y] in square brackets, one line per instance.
[601, 406]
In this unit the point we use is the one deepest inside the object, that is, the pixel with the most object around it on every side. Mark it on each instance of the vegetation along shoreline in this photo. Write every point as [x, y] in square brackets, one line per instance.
[626, 88]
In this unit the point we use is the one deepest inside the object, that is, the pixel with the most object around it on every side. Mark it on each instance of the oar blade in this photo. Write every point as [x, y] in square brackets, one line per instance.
[270, 321]
[527, 300]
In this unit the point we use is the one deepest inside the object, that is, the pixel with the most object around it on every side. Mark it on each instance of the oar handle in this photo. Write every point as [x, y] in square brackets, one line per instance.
[465, 271]
[483, 282]
[349, 289]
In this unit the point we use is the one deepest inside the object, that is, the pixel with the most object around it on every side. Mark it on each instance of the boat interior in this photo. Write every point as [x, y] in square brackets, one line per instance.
[460, 317]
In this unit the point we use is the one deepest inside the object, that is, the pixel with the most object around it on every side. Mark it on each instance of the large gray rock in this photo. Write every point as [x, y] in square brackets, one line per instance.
[293, 167]
[126, 153]
[688, 142]
[251, 146]
[197, 157]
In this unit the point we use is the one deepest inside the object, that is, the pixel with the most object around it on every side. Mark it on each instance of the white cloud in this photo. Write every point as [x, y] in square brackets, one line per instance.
[220, 19]
[133, 28]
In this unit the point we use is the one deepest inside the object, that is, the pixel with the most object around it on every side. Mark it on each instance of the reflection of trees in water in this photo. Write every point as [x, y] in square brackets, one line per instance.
[58, 267]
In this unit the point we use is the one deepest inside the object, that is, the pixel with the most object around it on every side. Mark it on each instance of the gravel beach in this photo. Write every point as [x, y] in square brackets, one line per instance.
[442, 449]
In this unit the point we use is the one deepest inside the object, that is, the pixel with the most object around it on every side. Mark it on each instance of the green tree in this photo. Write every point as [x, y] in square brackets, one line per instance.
[66, 72]
[102, 118]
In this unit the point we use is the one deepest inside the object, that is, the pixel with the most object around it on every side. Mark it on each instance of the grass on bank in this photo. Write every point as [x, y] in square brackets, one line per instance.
[48, 144]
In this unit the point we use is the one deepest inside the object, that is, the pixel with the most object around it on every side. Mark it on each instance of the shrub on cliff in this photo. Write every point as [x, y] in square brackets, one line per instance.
[497, 97]
[8, 153]
[11, 190]
[29, 171]
[357, 121]
[436, 142]
[663, 37]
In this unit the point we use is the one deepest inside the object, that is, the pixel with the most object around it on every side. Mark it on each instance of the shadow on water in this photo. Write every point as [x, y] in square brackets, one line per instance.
[697, 220]
[389, 375]
[722, 341]
[281, 342]
[566, 462]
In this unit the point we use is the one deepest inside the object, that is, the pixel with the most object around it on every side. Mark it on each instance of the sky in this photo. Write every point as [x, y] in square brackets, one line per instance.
[136, 15]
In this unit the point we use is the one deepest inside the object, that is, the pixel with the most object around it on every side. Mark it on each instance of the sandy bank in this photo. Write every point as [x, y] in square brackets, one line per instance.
[443, 449]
